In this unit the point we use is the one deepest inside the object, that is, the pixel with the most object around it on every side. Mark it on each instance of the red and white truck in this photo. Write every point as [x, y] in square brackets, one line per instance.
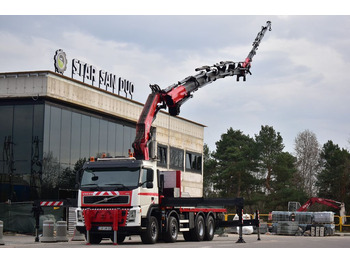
[120, 197]
[123, 197]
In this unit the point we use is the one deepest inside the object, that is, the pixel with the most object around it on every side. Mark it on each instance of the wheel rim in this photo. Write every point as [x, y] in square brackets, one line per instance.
[201, 228]
[154, 230]
[211, 228]
[173, 229]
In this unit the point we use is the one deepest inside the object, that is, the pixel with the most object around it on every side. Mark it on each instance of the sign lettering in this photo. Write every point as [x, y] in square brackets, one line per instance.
[88, 74]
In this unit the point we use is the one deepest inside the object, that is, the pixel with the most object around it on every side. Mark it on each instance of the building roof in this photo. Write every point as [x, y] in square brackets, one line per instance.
[30, 87]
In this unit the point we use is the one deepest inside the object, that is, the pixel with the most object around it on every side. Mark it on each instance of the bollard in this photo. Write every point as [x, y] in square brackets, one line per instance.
[61, 231]
[48, 227]
[77, 236]
[1, 233]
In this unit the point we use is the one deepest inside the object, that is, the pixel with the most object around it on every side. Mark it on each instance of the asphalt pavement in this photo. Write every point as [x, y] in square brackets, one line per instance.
[341, 240]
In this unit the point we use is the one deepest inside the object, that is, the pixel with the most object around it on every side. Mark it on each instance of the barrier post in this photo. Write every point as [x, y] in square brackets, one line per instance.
[61, 232]
[48, 228]
[340, 224]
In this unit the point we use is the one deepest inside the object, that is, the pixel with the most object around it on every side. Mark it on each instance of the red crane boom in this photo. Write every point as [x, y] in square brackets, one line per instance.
[175, 95]
[323, 201]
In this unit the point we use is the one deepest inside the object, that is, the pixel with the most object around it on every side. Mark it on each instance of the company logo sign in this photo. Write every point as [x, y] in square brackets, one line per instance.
[60, 61]
[90, 75]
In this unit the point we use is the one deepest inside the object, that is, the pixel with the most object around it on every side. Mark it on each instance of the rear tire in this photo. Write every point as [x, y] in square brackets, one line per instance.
[151, 234]
[198, 232]
[187, 235]
[210, 229]
[172, 232]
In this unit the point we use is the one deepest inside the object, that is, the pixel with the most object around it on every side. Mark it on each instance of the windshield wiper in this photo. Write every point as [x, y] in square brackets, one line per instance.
[118, 184]
[93, 184]
[94, 176]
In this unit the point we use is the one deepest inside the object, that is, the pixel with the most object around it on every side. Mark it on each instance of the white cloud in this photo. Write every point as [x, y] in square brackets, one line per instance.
[298, 81]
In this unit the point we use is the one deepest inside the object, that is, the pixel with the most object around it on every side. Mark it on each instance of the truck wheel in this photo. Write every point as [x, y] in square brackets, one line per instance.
[95, 239]
[120, 238]
[150, 235]
[198, 232]
[209, 230]
[187, 235]
[172, 231]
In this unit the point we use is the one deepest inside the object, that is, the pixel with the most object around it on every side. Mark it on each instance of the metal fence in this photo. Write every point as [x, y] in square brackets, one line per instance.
[341, 223]
[18, 216]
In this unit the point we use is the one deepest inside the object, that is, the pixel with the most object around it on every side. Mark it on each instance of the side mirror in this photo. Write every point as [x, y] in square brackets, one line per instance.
[149, 177]
[149, 185]
[160, 181]
[77, 178]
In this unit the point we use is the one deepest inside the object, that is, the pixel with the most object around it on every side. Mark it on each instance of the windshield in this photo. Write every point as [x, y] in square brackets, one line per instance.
[120, 178]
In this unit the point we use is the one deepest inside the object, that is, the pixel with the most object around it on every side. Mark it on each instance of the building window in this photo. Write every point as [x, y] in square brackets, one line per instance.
[21, 136]
[193, 162]
[70, 137]
[162, 152]
[176, 158]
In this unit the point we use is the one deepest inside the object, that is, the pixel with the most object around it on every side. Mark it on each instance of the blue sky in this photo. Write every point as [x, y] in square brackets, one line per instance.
[299, 78]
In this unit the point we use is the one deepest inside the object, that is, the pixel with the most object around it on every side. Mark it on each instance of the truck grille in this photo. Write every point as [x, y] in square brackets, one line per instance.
[103, 200]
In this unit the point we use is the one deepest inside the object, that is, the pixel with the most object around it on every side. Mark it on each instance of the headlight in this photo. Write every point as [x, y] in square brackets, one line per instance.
[79, 215]
[131, 215]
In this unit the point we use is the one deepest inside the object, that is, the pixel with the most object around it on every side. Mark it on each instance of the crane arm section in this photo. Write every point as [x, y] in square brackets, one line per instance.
[175, 95]
[256, 44]
[323, 201]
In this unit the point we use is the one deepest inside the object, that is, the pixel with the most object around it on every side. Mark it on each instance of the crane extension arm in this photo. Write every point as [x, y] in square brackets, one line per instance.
[175, 95]
[323, 201]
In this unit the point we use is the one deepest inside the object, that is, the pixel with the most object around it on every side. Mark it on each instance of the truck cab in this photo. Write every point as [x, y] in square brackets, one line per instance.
[109, 185]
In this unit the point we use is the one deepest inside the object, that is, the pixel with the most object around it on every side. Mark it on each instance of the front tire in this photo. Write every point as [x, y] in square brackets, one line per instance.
[120, 238]
[151, 234]
[95, 239]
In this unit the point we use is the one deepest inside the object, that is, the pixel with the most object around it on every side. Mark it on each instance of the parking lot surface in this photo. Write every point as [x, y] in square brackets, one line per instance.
[227, 241]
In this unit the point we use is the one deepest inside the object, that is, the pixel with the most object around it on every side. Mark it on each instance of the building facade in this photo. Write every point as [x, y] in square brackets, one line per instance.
[50, 124]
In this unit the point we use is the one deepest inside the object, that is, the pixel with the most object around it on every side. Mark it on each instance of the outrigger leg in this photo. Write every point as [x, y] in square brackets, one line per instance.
[240, 225]
[257, 217]
[87, 217]
[115, 227]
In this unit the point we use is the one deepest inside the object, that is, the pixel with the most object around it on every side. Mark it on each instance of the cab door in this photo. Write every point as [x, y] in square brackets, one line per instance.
[148, 190]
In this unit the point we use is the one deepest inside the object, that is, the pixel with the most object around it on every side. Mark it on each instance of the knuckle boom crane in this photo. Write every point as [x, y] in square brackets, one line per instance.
[120, 197]
[175, 95]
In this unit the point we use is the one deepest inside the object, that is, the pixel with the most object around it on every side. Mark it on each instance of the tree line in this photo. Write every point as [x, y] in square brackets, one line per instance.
[257, 169]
